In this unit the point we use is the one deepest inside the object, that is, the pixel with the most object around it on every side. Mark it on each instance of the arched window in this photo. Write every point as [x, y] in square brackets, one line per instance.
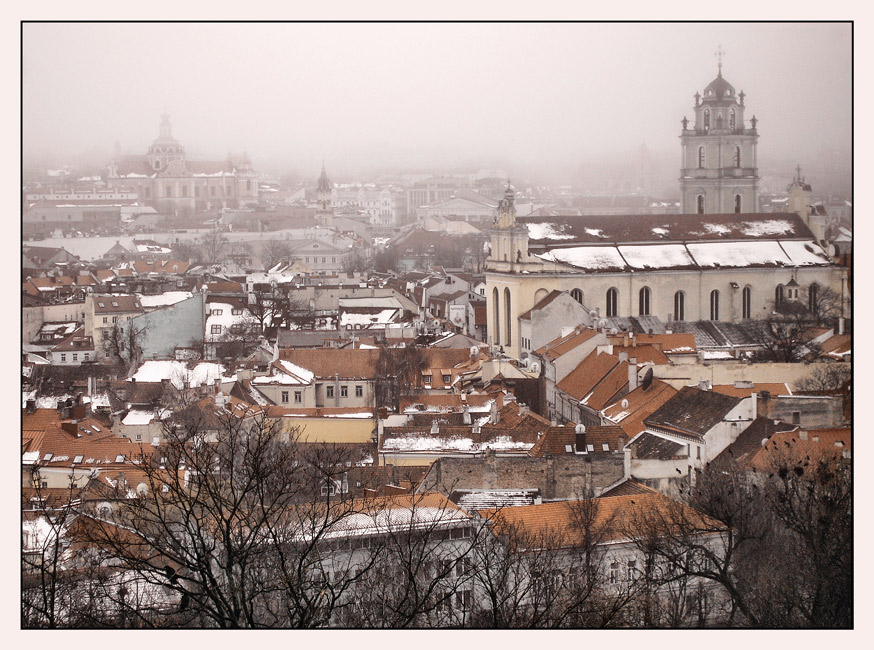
[731, 121]
[699, 204]
[509, 315]
[714, 305]
[577, 294]
[812, 295]
[706, 119]
[612, 302]
[746, 302]
[701, 158]
[778, 296]
[679, 306]
[737, 156]
[496, 335]
[643, 302]
[737, 204]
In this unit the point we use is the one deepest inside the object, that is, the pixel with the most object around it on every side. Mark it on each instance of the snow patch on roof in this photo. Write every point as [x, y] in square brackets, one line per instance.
[547, 231]
[656, 256]
[589, 257]
[762, 228]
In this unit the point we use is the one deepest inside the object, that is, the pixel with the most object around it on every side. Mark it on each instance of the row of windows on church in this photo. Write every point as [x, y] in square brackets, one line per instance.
[168, 190]
[699, 204]
[702, 157]
[732, 119]
[644, 303]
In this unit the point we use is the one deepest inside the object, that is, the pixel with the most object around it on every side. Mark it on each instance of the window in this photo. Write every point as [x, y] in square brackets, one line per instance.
[701, 158]
[139, 436]
[63, 357]
[78, 459]
[427, 379]
[732, 122]
[778, 296]
[796, 417]
[509, 313]
[359, 391]
[643, 302]
[812, 295]
[706, 119]
[612, 302]
[115, 319]
[237, 311]
[329, 391]
[737, 203]
[212, 191]
[577, 295]
[298, 397]
[630, 570]
[746, 303]
[75, 357]
[614, 573]
[216, 329]
[184, 190]
[497, 315]
[447, 379]
[105, 320]
[169, 191]
[344, 391]
[714, 305]
[86, 356]
[590, 448]
[285, 397]
[679, 306]
[217, 312]
[699, 204]
[736, 155]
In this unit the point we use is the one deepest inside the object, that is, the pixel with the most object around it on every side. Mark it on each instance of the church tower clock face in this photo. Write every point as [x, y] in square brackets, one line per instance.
[720, 173]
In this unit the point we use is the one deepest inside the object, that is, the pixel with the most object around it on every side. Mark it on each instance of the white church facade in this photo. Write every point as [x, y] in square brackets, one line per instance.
[720, 260]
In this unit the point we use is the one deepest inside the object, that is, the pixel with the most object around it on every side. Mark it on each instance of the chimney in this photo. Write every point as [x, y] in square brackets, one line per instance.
[841, 325]
[754, 404]
[31, 406]
[703, 384]
[465, 414]
[60, 405]
[523, 410]
[71, 427]
[218, 385]
[494, 416]
[623, 356]
[435, 428]
[632, 376]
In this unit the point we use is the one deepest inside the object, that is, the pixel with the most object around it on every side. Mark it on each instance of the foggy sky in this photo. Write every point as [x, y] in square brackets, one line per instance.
[377, 95]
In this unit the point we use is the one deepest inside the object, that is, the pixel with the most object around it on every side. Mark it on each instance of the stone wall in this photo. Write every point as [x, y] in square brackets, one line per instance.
[558, 477]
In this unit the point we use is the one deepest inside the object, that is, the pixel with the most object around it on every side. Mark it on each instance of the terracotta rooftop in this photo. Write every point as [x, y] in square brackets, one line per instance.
[557, 441]
[803, 446]
[750, 440]
[597, 381]
[325, 363]
[563, 344]
[743, 391]
[641, 403]
[107, 304]
[650, 446]
[558, 525]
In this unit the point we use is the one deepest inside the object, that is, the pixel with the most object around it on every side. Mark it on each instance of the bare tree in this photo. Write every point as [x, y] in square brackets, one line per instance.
[826, 377]
[398, 370]
[213, 244]
[273, 251]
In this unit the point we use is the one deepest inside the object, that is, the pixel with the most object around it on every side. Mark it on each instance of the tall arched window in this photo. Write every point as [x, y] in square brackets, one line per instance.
[612, 302]
[714, 305]
[509, 315]
[737, 156]
[731, 121]
[746, 302]
[679, 306]
[812, 296]
[577, 294]
[706, 119]
[643, 302]
[699, 204]
[701, 157]
[496, 334]
[778, 296]
[737, 204]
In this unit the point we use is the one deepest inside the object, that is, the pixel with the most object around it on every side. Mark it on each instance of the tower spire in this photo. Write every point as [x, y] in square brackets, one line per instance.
[719, 54]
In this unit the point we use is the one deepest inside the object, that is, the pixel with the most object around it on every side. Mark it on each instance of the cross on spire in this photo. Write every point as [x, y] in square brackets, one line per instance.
[719, 54]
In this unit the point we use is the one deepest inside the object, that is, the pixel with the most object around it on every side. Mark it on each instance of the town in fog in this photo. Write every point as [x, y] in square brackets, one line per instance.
[420, 325]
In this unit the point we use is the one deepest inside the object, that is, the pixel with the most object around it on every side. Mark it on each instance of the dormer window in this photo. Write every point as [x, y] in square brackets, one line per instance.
[78, 459]
[47, 457]
[216, 312]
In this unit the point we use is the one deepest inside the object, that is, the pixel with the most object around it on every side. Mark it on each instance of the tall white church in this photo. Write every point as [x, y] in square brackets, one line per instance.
[720, 259]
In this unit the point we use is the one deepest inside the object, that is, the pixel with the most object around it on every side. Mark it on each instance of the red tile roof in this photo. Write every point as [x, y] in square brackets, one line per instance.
[599, 377]
[640, 405]
[564, 344]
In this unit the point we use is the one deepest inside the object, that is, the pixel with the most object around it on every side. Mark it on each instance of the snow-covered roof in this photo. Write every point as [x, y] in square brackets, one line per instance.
[366, 320]
[177, 372]
[136, 417]
[164, 299]
[286, 373]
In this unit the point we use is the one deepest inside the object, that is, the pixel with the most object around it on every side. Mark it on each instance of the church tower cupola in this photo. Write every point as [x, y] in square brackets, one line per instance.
[720, 173]
[165, 148]
[325, 213]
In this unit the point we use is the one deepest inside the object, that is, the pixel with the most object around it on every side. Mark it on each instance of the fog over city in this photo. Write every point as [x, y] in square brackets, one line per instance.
[369, 98]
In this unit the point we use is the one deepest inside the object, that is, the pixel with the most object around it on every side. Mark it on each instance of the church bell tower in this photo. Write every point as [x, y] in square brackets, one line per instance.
[720, 173]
